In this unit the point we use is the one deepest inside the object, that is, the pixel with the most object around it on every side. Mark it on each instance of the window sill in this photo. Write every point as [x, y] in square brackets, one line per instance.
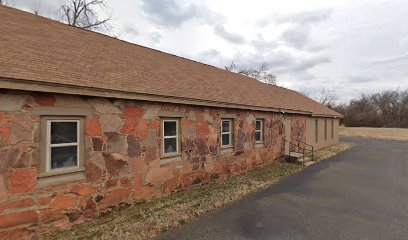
[226, 149]
[259, 144]
[61, 172]
[61, 176]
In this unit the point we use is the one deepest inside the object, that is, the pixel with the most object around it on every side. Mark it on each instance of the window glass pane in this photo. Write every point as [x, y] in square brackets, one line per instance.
[170, 145]
[258, 125]
[225, 126]
[63, 132]
[63, 157]
[257, 136]
[170, 128]
[225, 139]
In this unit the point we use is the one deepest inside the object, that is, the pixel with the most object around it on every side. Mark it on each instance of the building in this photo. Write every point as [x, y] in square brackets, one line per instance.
[88, 123]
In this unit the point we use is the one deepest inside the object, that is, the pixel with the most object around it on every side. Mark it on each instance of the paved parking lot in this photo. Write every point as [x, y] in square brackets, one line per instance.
[359, 194]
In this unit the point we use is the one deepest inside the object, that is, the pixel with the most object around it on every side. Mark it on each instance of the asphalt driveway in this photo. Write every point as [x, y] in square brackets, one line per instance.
[360, 194]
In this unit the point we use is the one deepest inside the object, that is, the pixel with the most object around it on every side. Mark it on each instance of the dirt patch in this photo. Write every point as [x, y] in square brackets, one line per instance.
[147, 220]
[400, 134]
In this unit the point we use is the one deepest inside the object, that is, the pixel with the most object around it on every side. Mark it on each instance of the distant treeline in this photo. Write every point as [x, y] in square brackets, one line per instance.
[386, 109]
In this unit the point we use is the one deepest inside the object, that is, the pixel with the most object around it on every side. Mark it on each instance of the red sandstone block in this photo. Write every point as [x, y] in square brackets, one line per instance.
[16, 233]
[45, 99]
[128, 126]
[171, 184]
[92, 127]
[202, 129]
[83, 190]
[141, 129]
[143, 193]
[93, 172]
[138, 181]
[22, 180]
[63, 201]
[46, 200]
[185, 180]
[133, 112]
[17, 204]
[157, 175]
[63, 224]
[185, 122]
[5, 133]
[138, 165]
[154, 124]
[114, 197]
[50, 215]
[18, 218]
[3, 189]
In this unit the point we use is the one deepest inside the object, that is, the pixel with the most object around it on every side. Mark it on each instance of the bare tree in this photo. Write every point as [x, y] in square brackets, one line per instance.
[83, 14]
[385, 109]
[35, 6]
[326, 97]
[260, 73]
[6, 2]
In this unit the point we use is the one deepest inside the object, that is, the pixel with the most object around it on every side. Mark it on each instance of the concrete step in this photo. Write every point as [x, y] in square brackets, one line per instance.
[305, 160]
[296, 154]
[307, 164]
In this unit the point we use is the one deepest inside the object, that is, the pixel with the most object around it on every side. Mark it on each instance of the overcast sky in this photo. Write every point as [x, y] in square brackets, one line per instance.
[354, 46]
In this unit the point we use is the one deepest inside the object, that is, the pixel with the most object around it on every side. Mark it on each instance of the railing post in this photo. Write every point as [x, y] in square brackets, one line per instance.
[313, 154]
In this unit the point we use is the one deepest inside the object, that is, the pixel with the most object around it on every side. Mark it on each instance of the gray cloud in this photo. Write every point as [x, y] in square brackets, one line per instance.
[228, 36]
[169, 12]
[306, 17]
[296, 36]
[360, 79]
[300, 25]
[262, 45]
[155, 37]
[300, 65]
[279, 62]
[212, 57]
[130, 30]
[397, 58]
[172, 13]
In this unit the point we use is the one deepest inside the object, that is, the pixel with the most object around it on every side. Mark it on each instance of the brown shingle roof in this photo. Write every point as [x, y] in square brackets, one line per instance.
[45, 51]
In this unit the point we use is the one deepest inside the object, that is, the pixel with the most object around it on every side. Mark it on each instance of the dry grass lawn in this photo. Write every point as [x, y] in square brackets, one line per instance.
[331, 151]
[378, 133]
[146, 220]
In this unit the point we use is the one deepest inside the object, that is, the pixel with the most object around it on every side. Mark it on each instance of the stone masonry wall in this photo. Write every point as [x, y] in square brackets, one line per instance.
[122, 157]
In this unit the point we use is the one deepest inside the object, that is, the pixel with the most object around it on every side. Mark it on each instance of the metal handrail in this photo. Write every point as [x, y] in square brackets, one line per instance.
[312, 150]
[297, 145]
[303, 142]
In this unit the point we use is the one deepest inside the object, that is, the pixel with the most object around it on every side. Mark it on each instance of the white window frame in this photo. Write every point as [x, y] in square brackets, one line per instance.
[260, 130]
[177, 136]
[49, 145]
[225, 133]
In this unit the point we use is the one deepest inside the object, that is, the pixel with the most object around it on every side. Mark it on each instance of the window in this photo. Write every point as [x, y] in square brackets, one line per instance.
[63, 144]
[170, 137]
[332, 129]
[259, 131]
[316, 130]
[325, 129]
[226, 133]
